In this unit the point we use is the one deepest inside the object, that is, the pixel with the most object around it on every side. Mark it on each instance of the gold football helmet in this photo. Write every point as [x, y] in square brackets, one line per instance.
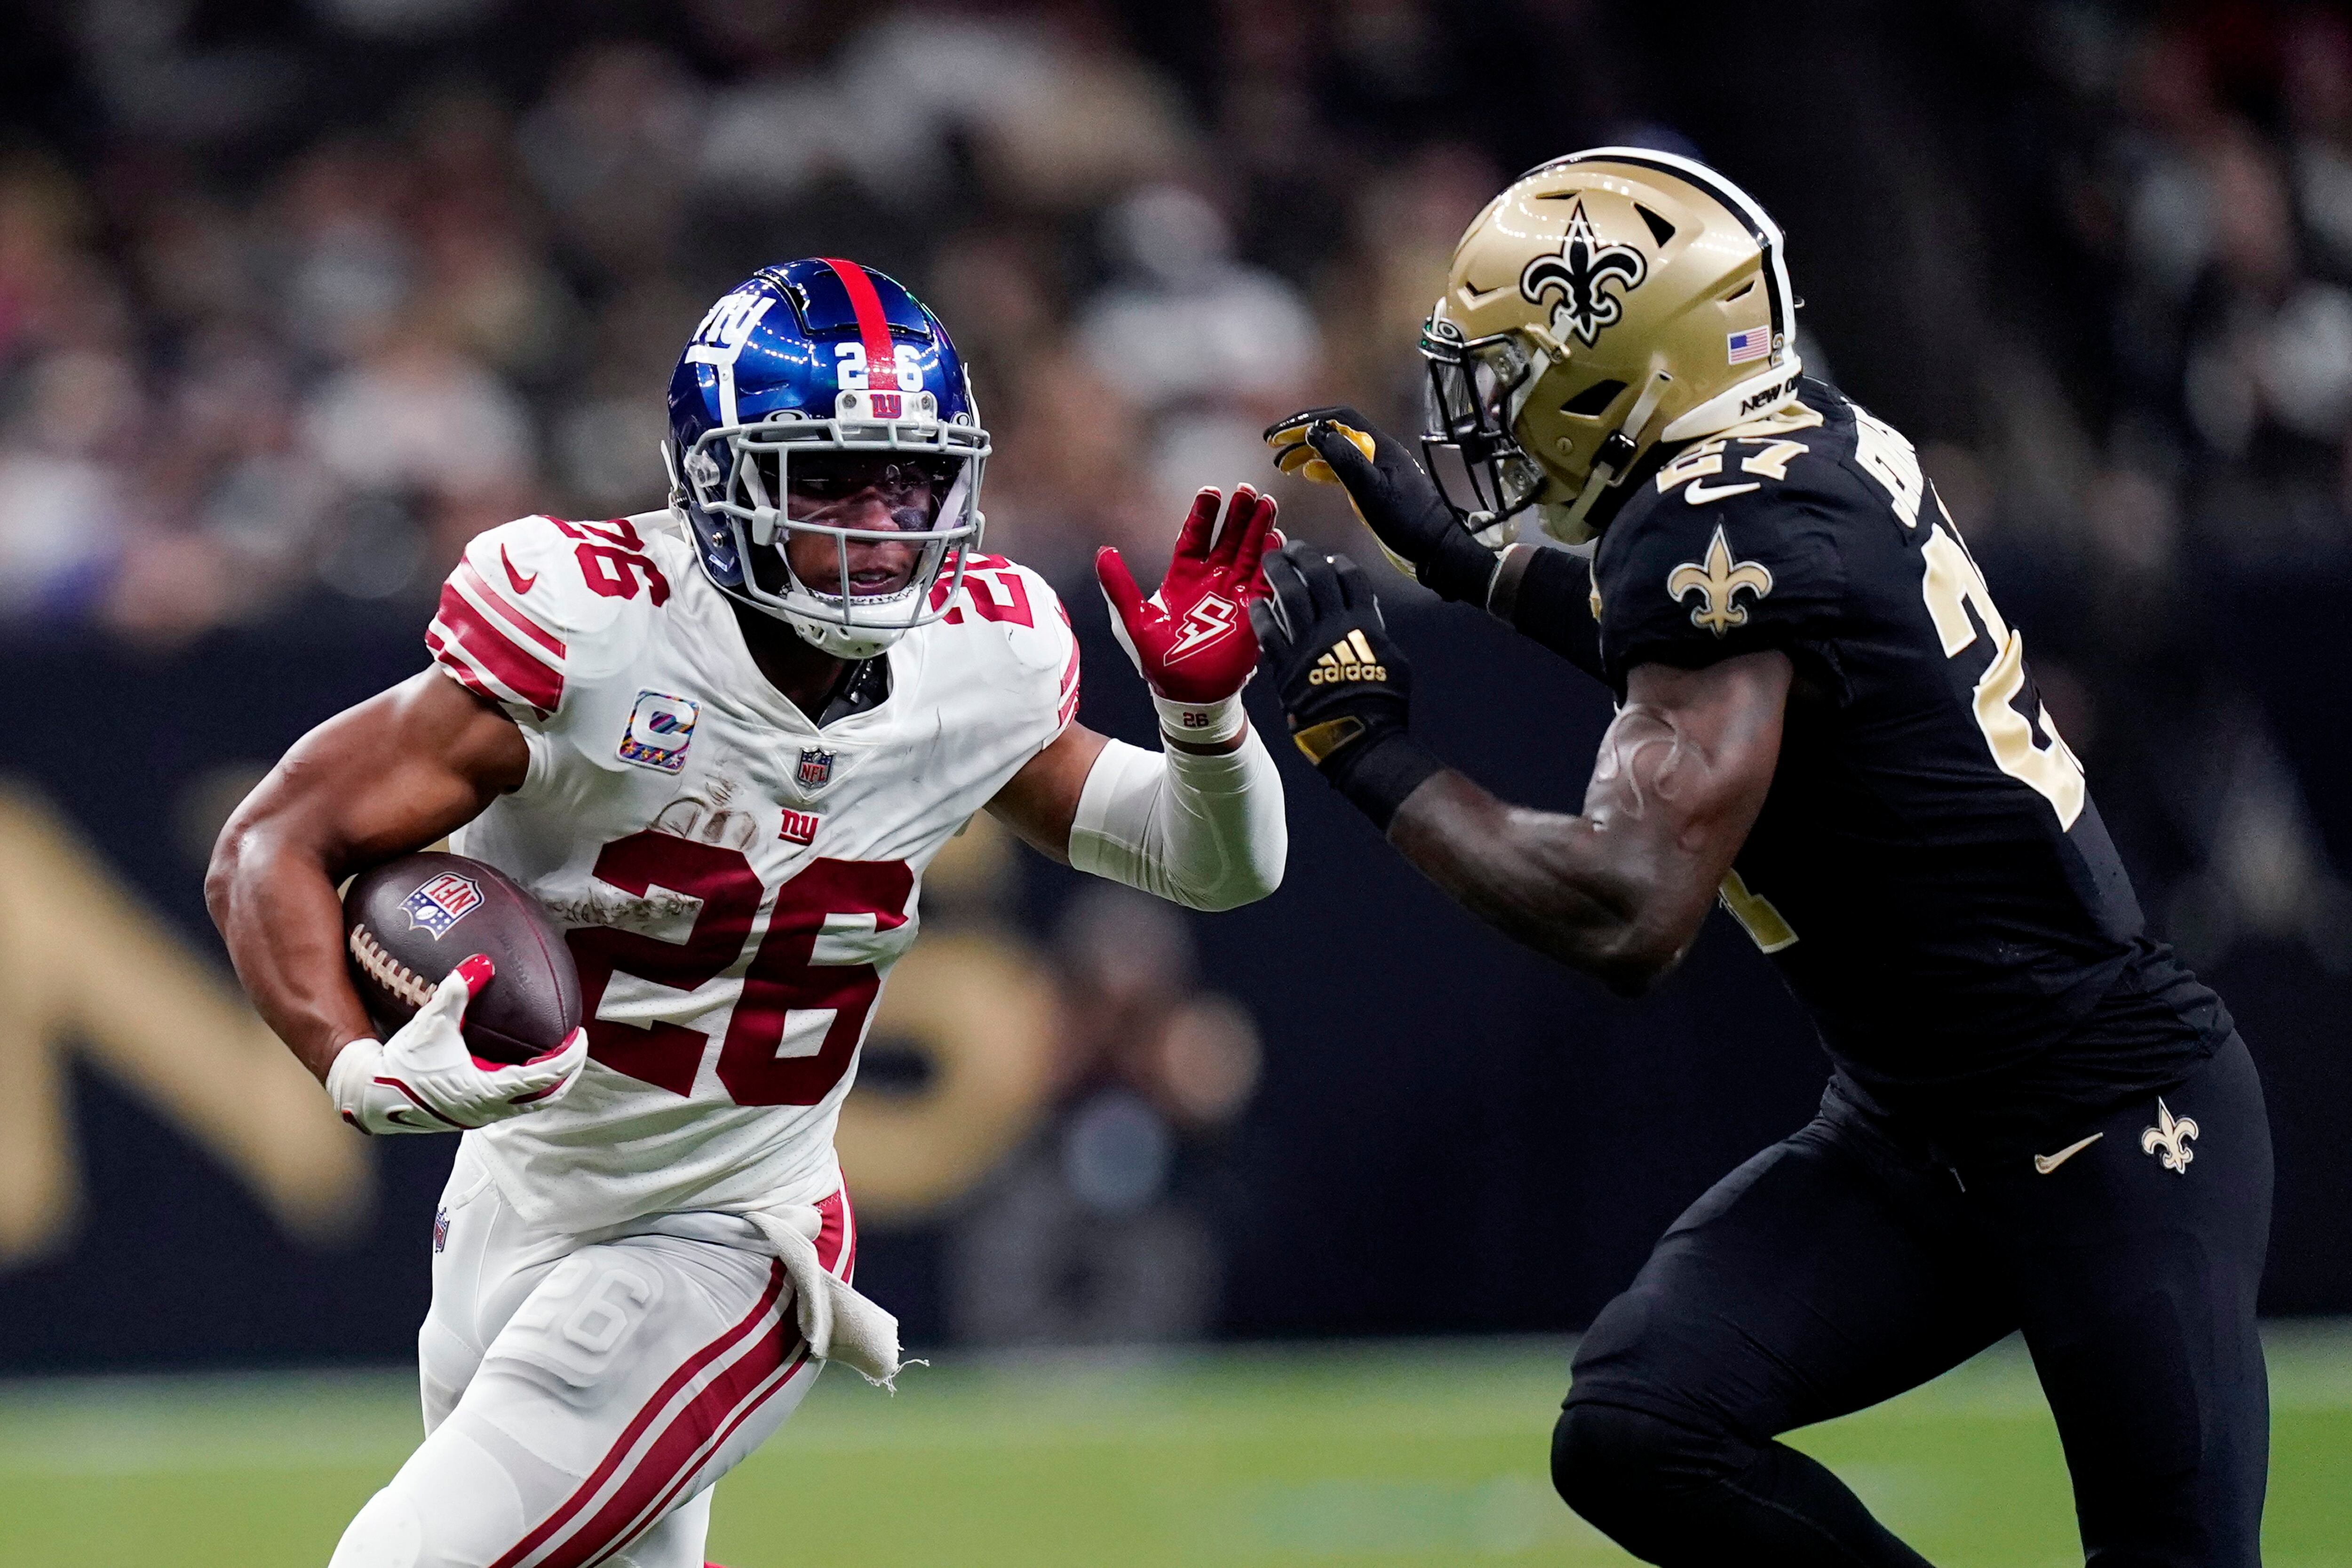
[1606, 301]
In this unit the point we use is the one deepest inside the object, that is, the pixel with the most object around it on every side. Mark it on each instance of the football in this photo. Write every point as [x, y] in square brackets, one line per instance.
[409, 922]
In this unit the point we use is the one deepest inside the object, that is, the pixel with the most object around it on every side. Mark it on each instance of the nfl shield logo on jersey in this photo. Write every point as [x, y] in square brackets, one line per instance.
[817, 768]
[441, 1230]
[442, 903]
[660, 729]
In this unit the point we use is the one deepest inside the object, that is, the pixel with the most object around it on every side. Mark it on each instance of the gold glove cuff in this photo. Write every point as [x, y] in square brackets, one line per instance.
[1320, 741]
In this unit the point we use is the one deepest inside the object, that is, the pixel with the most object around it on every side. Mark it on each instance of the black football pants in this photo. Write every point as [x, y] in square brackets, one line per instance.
[1838, 1269]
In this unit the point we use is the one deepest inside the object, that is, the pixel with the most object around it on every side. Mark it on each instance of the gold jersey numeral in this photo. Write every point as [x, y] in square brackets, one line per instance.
[1755, 914]
[1951, 584]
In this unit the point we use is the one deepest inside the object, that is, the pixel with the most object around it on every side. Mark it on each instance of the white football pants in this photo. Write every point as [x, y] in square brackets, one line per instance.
[583, 1394]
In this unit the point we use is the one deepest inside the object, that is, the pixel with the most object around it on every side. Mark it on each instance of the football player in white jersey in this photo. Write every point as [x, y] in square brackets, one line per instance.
[720, 744]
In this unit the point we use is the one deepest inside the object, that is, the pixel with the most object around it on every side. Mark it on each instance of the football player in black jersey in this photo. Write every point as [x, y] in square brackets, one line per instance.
[2036, 1120]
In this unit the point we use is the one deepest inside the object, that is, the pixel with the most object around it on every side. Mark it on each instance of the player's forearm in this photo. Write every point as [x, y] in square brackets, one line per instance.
[403, 769]
[278, 910]
[1546, 596]
[1549, 881]
[1199, 828]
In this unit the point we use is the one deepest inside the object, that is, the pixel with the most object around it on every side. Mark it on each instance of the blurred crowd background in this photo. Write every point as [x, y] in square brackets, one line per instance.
[296, 296]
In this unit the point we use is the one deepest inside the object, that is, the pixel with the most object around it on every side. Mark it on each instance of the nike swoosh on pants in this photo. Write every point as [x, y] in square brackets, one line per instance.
[2045, 1163]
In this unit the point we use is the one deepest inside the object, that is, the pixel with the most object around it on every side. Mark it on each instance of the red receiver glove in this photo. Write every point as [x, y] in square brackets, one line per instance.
[1192, 641]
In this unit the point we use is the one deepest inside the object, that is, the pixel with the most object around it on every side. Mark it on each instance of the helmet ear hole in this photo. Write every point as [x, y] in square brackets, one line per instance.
[1594, 400]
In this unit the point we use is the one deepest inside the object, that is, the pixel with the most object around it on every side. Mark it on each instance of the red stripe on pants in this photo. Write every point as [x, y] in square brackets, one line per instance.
[677, 1453]
[690, 1443]
[645, 1417]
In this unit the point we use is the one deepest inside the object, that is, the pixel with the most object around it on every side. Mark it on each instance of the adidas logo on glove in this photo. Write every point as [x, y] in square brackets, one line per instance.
[1350, 658]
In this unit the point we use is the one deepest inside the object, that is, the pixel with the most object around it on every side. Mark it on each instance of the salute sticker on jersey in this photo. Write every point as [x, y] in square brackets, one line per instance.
[660, 729]
[442, 903]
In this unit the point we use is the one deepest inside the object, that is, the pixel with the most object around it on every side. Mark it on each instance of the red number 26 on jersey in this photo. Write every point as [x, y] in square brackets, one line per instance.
[783, 977]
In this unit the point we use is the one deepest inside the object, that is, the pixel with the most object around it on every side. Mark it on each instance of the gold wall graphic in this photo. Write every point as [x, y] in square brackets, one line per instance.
[86, 967]
[981, 1010]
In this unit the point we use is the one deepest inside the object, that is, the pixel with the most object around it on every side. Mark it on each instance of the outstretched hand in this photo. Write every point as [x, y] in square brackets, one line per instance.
[1192, 639]
[1397, 501]
[1343, 681]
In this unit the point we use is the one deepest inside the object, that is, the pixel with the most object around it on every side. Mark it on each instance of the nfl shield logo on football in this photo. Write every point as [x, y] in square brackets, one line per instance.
[817, 768]
[659, 729]
[442, 903]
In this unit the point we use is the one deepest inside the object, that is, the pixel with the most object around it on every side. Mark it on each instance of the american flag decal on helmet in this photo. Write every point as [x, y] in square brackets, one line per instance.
[1752, 345]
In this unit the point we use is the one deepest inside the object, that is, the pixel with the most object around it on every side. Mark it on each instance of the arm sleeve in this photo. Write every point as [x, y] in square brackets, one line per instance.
[1203, 830]
[1547, 596]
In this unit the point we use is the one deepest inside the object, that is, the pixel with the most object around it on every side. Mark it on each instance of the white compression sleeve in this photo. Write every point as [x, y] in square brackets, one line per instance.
[1203, 830]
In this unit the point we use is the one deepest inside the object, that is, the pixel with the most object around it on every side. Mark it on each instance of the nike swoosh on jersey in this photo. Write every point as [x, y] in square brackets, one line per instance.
[2045, 1163]
[1700, 493]
[522, 584]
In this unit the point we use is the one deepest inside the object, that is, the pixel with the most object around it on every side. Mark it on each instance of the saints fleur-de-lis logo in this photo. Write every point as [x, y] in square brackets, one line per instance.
[2168, 1140]
[1717, 581]
[1577, 274]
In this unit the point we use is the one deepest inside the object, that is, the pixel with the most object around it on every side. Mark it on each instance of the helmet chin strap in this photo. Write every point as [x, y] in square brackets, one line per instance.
[677, 497]
[828, 636]
[1616, 453]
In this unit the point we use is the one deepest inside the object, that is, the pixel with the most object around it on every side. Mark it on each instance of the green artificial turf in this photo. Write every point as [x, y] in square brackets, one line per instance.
[1399, 1456]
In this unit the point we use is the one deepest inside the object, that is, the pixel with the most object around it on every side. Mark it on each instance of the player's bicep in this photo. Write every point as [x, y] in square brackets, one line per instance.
[1684, 770]
[1041, 801]
[406, 767]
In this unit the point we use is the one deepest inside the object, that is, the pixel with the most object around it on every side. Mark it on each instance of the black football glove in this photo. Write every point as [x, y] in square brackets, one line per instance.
[1397, 501]
[1345, 685]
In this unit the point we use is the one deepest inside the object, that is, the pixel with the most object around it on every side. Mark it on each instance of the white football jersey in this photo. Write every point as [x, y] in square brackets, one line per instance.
[734, 882]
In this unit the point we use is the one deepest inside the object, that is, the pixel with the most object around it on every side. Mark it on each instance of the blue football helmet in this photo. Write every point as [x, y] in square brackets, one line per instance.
[822, 355]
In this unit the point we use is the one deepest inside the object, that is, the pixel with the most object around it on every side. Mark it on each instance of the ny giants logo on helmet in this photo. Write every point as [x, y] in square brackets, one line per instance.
[1577, 275]
[442, 903]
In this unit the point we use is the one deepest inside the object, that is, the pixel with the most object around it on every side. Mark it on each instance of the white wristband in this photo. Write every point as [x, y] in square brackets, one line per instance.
[1201, 723]
[352, 1073]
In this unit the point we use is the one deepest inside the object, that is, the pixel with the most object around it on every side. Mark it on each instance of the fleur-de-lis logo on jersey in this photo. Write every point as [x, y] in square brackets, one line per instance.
[1717, 581]
[1577, 273]
[2168, 1140]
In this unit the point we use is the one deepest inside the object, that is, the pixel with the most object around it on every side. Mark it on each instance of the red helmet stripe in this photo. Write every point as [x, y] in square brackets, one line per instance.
[871, 326]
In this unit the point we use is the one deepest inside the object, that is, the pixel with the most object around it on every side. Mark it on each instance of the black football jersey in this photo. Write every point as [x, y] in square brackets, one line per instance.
[1928, 869]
